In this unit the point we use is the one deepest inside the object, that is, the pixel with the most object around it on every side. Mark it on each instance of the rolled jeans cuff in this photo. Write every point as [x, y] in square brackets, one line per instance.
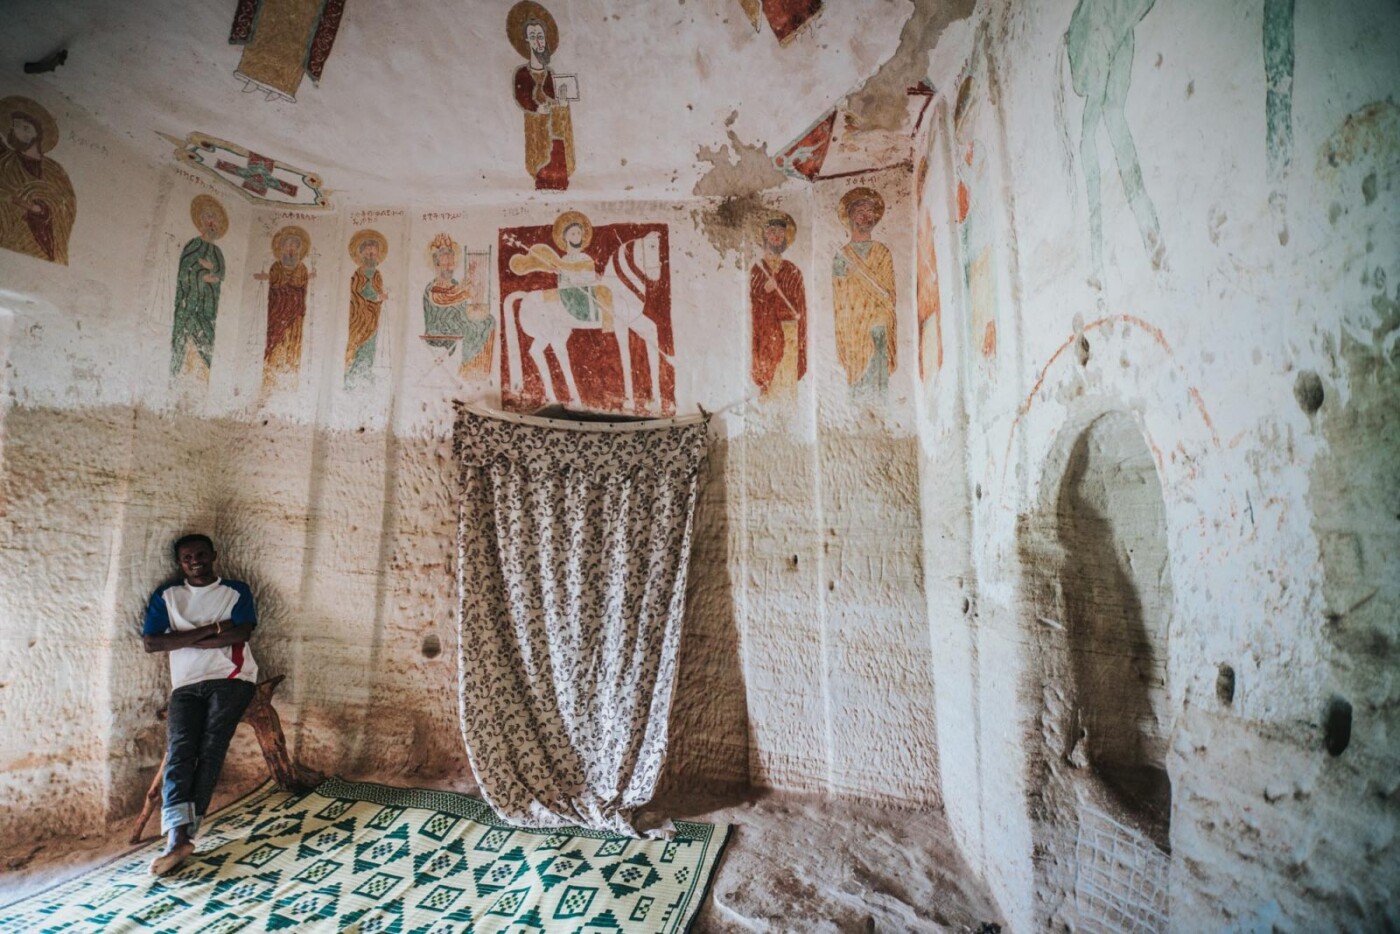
[179, 815]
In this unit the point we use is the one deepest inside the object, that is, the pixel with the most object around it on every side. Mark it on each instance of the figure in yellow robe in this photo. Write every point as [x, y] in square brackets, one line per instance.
[37, 203]
[367, 296]
[863, 293]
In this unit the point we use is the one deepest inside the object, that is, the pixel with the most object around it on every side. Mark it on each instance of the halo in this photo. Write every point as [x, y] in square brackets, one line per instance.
[843, 209]
[209, 202]
[439, 242]
[567, 220]
[789, 225]
[363, 236]
[522, 13]
[48, 126]
[291, 230]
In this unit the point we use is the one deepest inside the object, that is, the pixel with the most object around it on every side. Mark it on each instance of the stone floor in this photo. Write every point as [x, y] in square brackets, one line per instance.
[794, 864]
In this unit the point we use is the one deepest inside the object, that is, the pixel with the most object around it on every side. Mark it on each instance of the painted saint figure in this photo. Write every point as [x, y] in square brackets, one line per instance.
[549, 129]
[778, 306]
[37, 203]
[287, 282]
[1099, 44]
[197, 284]
[454, 311]
[863, 293]
[368, 248]
[580, 289]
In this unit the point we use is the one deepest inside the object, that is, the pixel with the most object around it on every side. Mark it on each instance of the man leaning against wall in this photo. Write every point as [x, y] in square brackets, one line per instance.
[203, 622]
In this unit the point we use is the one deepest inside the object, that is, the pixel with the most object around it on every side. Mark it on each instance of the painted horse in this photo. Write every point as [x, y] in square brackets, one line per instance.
[627, 278]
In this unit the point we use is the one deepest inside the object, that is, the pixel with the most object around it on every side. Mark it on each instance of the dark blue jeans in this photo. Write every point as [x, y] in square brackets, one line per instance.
[199, 726]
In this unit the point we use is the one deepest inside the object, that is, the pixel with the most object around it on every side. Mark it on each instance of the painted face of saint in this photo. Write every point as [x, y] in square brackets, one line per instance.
[209, 224]
[535, 38]
[863, 215]
[445, 263]
[291, 250]
[775, 237]
[369, 253]
[573, 236]
[23, 131]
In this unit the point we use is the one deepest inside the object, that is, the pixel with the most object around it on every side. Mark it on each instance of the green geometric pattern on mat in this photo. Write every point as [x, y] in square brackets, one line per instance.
[371, 859]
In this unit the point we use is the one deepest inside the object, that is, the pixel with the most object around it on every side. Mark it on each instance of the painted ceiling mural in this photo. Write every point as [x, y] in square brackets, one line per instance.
[283, 40]
[256, 177]
[37, 201]
[543, 96]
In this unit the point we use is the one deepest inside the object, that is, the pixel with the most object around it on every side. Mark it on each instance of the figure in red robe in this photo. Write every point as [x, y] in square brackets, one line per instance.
[778, 304]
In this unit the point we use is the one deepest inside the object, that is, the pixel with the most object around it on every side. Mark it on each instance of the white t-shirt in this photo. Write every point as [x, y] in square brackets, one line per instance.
[180, 607]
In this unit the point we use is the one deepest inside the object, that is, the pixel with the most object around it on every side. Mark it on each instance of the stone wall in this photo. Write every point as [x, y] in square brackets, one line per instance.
[1239, 314]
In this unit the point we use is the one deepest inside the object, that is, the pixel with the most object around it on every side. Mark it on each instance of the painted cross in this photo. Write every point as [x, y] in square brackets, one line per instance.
[257, 175]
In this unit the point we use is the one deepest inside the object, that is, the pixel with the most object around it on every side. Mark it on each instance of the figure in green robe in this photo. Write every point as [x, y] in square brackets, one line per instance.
[197, 285]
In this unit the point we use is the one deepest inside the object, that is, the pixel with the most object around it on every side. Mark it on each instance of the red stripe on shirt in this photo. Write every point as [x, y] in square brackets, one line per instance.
[237, 659]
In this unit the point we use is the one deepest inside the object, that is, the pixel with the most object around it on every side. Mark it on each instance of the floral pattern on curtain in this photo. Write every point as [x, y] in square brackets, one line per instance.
[573, 545]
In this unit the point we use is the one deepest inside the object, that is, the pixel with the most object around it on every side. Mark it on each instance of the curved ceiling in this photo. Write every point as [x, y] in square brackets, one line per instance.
[415, 104]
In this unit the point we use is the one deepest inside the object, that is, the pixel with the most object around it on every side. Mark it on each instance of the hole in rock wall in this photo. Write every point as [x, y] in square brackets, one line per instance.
[1117, 592]
[1337, 726]
[1225, 685]
[432, 645]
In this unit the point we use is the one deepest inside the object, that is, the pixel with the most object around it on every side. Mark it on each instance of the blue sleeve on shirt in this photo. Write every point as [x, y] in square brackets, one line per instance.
[157, 619]
[243, 612]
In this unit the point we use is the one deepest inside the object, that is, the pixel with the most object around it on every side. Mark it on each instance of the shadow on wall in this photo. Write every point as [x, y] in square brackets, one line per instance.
[1112, 527]
[709, 727]
[1097, 601]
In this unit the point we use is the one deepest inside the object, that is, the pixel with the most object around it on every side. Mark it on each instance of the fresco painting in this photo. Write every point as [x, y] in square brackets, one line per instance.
[976, 217]
[785, 17]
[778, 309]
[37, 201]
[197, 283]
[1099, 44]
[255, 177]
[283, 40]
[543, 96]
[368, 248]
[803, 157]
[457, 317]
[1278, 100]
[863, 295]
[930, 309]
[587, 309]
[287, 281]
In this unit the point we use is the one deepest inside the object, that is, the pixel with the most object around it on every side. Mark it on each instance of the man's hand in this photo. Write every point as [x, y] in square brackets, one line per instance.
[230, 635]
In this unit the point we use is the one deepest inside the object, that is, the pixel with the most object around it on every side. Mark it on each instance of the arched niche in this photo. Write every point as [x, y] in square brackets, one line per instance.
[1096, 600]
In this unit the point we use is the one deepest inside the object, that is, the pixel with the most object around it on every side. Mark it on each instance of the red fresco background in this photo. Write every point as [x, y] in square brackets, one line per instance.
[597, 366]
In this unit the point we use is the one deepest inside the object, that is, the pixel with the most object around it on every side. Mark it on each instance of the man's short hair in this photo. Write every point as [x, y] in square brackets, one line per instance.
[184, 540]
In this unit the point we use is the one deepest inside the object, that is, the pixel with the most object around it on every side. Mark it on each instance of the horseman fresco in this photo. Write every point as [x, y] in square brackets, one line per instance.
[586, 316]
[580, 290]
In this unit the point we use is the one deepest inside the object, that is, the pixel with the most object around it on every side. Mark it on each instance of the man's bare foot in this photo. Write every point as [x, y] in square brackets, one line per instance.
[165, 863]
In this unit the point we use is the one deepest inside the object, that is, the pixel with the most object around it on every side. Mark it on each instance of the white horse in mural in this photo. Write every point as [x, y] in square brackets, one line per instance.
[631, 273]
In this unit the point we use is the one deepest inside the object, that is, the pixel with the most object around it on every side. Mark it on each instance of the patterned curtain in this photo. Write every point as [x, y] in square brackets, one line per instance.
[573, 544]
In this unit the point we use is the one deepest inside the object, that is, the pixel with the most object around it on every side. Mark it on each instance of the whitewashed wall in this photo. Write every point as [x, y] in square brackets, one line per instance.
[1280, 522]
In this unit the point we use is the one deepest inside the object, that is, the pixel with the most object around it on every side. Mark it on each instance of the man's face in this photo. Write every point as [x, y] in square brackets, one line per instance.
[445, 263]
[209, 223]
[23, 131]
[775, 238]
[863, 215]
[369, 253]
[573, 236]
[196, 561]
[291, 249]
[535, 38]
